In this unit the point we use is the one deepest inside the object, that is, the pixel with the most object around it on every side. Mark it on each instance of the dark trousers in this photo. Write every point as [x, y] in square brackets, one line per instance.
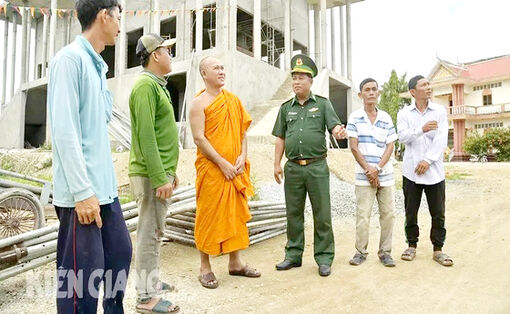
[87, 256]
[436, 200]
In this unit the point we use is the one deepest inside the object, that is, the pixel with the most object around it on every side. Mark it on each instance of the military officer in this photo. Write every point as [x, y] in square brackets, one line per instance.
[300, 131]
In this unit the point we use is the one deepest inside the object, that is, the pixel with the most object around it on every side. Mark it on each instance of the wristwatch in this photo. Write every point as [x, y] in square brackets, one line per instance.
[378, 168]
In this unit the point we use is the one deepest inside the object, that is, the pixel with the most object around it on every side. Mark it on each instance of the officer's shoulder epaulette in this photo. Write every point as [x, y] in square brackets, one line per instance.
[287, 101]
[322, 97]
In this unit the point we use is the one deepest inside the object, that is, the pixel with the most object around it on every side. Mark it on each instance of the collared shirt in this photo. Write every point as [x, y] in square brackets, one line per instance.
[372, 142]
[303, 126]
[154, 136]
[80, 107]
[420, 146]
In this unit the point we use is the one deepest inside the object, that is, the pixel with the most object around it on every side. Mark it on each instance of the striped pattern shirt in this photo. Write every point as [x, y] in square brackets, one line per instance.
[372, 141]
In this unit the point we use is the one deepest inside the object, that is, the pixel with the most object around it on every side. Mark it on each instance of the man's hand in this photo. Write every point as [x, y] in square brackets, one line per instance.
[374, 182]
[422, 167]
[239, 165]
[88, 211]
[176, 183]
[429, 126]
[228, 170]
[339, 132]
[372, 173]
[278, 173]
[164, 192]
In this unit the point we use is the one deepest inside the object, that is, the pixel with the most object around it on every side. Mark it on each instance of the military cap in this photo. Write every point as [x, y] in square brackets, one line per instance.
[303, 64]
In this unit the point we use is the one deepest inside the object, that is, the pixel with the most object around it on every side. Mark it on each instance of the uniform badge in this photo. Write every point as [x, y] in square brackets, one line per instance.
[299, 61]
[292, 113]
[314, 109]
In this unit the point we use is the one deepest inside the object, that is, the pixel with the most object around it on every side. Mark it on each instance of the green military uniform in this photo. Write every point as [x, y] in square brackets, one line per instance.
[303, 128]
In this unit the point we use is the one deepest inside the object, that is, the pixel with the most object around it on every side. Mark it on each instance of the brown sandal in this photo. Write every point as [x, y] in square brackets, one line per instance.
[245, 272]
[208, 281]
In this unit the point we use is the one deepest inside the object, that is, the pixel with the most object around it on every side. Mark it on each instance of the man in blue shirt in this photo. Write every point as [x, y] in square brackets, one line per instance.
[93, 240]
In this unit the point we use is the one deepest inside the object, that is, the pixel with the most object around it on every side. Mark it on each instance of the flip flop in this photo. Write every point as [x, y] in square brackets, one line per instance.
[161, 307]
[442, 259]
[409, 254]
[208, 281]
[246, 271]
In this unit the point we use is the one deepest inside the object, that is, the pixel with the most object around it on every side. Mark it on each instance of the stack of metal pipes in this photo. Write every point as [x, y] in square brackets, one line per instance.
[36, 248]
[268, 220]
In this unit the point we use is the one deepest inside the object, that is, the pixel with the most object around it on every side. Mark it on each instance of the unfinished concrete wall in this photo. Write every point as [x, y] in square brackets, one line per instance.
[12, 127]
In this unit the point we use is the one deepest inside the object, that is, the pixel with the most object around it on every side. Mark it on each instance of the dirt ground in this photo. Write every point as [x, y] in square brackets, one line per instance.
[478, 236]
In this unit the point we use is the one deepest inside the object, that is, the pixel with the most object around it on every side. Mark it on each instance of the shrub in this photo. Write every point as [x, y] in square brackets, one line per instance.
[493, 141]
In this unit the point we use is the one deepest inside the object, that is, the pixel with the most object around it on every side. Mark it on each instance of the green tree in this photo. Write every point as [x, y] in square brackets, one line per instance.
[390, 101]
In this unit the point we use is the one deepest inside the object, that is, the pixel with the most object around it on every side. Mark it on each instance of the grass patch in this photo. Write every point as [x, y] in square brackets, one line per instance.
[457, 175]
[18, 180]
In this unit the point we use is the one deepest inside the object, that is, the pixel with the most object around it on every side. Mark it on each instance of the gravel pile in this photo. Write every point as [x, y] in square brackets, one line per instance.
[343, 200]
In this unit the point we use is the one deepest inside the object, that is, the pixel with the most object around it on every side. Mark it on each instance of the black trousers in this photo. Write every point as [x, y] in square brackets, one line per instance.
[436, 200]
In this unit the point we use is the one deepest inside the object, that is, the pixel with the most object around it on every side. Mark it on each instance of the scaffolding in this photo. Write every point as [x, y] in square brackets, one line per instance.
[269, 35]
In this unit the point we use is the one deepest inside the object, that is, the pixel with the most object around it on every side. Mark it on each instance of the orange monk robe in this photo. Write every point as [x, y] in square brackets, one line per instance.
[222, 205]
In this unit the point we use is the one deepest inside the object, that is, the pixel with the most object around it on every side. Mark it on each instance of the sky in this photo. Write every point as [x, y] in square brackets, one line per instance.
[407, 35]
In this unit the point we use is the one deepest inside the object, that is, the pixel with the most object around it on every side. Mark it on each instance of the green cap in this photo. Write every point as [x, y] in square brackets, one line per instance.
[303, 64]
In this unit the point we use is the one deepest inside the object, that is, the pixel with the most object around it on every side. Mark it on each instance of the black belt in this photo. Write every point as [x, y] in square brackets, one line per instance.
[306, 162]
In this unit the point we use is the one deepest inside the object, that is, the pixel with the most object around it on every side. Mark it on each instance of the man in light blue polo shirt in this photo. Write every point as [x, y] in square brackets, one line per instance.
[371, 139]
[93, 240]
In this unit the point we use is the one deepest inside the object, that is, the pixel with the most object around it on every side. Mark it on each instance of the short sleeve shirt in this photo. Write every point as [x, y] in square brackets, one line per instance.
[303, 126]
[372, 142]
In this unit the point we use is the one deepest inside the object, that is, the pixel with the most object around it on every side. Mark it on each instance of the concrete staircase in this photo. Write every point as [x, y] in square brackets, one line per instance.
[264, 115]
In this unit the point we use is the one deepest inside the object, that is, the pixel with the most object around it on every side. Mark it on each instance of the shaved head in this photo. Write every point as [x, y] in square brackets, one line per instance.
[204, 63]
[212, 71]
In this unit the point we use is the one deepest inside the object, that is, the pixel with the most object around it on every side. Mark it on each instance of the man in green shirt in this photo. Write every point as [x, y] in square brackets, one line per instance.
[300, 131]
[152, 166]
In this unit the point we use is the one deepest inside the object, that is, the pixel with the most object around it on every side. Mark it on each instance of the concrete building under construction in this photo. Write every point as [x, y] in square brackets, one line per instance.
[255, 39]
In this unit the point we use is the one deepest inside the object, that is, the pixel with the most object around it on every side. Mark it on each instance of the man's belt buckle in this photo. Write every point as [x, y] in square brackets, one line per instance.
[302, 162]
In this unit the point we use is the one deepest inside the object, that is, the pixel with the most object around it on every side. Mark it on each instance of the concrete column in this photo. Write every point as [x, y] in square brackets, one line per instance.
[53, 28]
[342, 42]
[232, 25]
[68, 30]
[257, 25]
[323, 33]
[287, 34]
[13, 50]
[199, 26]
[459, 126]
[24, 50]
[4, 73]
[29, 44]
[317, 36]
[188, 30]
[45, 45]
[156, 20]
[222, 24]
[122, 52]
[180, 33]
[36, 35]
[334, 32]
[349, 43]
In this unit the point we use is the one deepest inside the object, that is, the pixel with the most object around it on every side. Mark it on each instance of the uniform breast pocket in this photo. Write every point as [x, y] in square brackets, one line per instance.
[314, 120]
[291, 119]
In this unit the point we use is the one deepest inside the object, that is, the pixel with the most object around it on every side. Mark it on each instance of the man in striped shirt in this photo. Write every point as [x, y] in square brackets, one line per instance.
[371, 138]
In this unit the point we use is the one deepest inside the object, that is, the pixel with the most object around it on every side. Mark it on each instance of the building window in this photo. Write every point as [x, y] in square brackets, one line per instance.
[487, 86]
[487, 100]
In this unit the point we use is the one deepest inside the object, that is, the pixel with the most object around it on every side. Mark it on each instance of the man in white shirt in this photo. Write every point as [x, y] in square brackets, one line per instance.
[423, 128]
[372, 140]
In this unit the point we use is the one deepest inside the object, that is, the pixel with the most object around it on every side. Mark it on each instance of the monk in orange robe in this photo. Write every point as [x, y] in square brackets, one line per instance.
[219, 123]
